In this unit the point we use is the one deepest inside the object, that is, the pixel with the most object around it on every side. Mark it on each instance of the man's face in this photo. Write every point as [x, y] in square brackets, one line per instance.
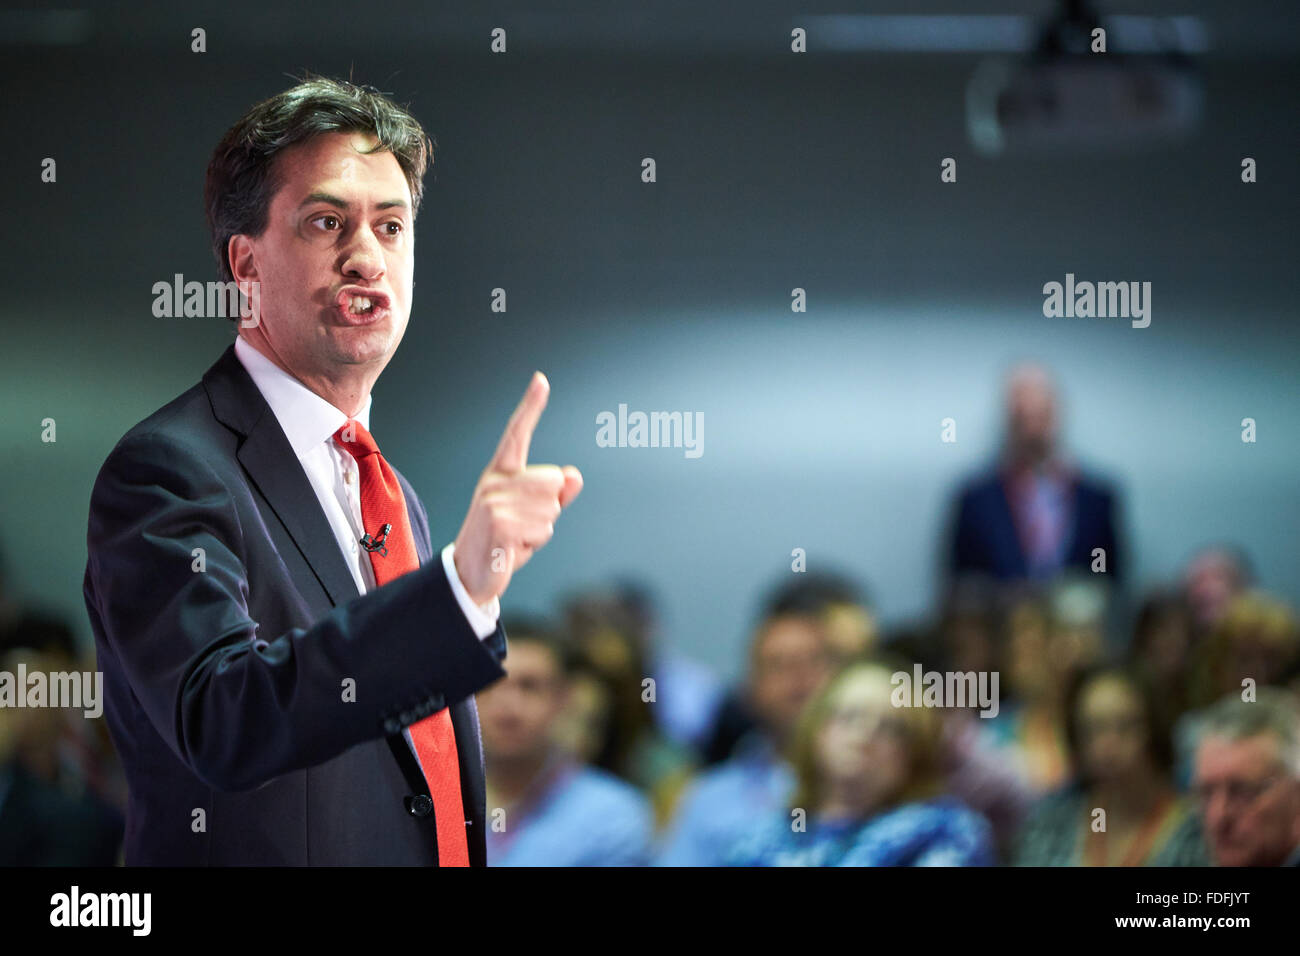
[518, 713]
[1251, 807]
[1212, 580]
[339, 230]
[1031, 417]
[790, 664]
[1112, 730]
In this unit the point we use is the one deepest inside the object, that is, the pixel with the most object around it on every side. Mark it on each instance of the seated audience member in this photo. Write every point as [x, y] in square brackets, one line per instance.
[1162, 649]
[1256, 638]
[1214, 576]
[688, 693]
[1254, 644]
[48, 814]
[545, 808]
[632, 746]
[869, 787]
[1247, 779]
[1121, 808]
[789, 662]
[848, 624]
[1049, 638]
[974, 771]
[969, 625]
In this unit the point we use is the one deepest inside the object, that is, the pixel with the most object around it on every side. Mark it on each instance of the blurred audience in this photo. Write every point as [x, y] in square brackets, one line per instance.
[1050, 635]
[1253, 643]
[869, 787]
[1213, 577]
[689, 693]
[846, 621]
[1162, 647]
[975, 771]
[49, 816]
[1034, 513]
[622, 697]
[1120, 807]
[545, 807]
[790, 659]
[1255, 638]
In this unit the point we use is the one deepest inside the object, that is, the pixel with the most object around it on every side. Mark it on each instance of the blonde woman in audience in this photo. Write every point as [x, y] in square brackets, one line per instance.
[869, 789]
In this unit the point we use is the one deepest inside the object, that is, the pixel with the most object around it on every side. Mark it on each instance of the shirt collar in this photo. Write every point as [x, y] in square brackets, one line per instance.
[307, 419]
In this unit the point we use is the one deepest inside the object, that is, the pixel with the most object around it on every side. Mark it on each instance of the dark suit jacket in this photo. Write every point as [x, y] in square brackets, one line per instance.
[985, 539]
[225, 686]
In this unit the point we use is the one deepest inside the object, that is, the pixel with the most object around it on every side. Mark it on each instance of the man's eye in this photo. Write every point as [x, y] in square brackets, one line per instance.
[330, 222]
[395, 228]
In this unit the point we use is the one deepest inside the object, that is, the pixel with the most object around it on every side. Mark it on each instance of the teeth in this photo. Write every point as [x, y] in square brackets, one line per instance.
[360, 304]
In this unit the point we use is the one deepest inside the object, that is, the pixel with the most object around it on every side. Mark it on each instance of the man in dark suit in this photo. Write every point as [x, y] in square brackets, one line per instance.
[289, 667]
[1034, 514]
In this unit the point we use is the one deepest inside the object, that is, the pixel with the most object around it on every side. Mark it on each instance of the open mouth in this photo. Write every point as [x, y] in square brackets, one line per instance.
[359, 305]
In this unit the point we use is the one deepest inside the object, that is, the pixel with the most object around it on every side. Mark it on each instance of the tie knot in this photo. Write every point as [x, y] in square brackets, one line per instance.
[356, 439]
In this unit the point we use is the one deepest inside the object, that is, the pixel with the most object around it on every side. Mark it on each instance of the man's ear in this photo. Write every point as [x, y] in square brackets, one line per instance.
[243, 261]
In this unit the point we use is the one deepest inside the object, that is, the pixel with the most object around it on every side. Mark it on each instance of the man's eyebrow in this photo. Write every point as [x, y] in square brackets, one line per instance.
[344, 204]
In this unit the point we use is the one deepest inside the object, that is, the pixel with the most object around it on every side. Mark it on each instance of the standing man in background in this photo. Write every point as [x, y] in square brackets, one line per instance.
[1033, 514]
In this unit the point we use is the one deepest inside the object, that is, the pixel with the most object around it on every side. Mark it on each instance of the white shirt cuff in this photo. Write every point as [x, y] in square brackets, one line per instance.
[482, 617]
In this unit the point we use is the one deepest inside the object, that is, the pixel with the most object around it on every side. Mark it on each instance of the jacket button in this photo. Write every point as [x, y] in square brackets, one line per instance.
[391, 726]
[407, 717]
[420, 805]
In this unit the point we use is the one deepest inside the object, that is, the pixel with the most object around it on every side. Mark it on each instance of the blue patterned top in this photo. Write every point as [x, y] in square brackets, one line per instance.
[938, 832]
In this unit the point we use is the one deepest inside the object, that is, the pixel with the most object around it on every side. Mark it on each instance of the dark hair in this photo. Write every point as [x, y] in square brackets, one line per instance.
[524, 629]
[811, 593]
[1160, 748]
[1159, 607]
[41, 632]
[241, 175]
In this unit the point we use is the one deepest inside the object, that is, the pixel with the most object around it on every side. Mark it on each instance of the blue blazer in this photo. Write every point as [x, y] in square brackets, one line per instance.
[224, 682]
[985, 539]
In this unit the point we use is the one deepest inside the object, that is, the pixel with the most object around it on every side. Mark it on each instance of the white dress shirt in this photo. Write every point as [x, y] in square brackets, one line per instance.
[309, 422]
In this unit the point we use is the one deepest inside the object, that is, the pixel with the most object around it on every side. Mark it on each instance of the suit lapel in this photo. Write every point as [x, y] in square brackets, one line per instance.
[275, 471]
[272, 466]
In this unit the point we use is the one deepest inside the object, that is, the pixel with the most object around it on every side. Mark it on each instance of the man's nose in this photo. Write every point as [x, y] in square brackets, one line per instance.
[363, 257]
[1216, 810]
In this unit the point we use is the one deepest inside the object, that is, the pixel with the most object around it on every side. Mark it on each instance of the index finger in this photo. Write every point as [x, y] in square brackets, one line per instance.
[512, 451]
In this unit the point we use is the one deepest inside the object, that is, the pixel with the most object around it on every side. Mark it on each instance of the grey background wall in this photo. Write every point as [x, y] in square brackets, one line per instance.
[821, 430]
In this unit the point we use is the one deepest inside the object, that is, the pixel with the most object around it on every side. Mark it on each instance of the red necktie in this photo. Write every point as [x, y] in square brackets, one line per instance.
[382, 503]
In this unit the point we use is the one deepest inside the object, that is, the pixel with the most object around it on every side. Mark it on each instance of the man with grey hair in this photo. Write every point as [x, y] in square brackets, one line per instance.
[1247, 780]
